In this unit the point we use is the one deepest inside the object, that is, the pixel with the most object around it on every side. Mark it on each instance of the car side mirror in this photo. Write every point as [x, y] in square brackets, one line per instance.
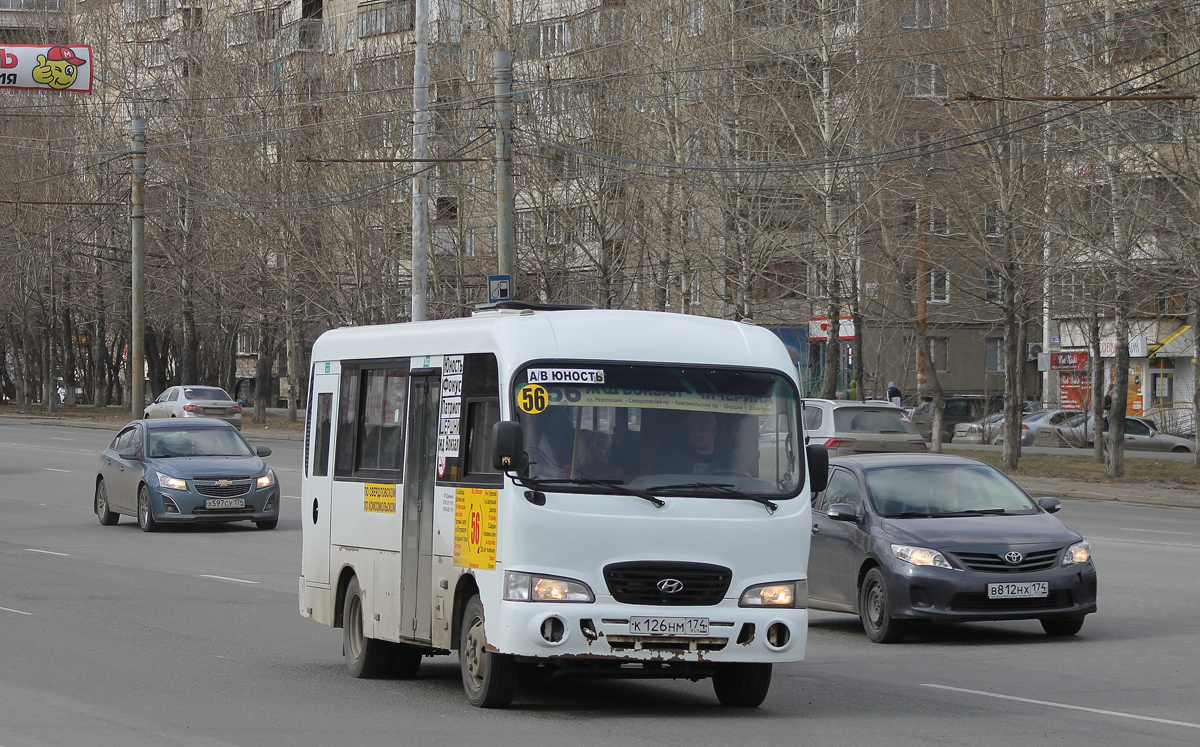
[842, 512]
[1050, 505]
[129, 453]
[818, 466]
[262, 451]
[508, 446]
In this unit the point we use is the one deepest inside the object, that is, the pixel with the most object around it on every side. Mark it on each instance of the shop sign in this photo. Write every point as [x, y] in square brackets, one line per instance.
[818, 328]
[1138, 347]
[1073, 361]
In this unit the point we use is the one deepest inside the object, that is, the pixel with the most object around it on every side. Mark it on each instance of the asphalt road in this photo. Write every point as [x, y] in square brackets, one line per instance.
[109, 636]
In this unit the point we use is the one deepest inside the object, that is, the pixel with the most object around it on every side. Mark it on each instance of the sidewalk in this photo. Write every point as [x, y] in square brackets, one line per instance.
[1150, 494]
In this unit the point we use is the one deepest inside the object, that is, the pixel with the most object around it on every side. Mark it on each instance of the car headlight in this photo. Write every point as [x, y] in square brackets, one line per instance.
[267, 480]
[171, 482]
[921, 556]
[789, 594]
[1080, 552]
[529, 587]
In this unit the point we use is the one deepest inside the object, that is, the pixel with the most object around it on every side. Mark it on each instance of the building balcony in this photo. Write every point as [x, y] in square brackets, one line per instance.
[305, 35]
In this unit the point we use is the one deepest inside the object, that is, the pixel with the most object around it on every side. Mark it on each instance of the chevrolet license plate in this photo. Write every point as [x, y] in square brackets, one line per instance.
[218, 503]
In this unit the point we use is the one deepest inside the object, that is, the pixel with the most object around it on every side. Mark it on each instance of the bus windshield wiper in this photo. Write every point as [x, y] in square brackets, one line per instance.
[614, 485]
[724, 489]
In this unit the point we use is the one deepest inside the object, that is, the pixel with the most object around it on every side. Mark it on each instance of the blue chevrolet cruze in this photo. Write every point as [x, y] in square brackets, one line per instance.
[170, 471]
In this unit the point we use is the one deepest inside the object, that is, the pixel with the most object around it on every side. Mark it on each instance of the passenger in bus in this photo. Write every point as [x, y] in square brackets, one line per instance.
[592, 450]
[702, 450]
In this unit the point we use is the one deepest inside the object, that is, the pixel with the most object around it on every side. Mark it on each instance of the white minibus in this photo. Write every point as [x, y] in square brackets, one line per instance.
[559, 491]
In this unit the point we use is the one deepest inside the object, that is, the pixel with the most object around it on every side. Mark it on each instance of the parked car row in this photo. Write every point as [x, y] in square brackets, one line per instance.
[1140, 435]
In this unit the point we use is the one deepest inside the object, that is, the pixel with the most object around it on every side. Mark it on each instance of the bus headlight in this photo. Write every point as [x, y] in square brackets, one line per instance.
[529, 587]
[793, 594]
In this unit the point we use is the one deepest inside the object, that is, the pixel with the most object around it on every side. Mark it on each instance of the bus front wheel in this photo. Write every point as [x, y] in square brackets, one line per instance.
[489, 679]
[742, 685]
[366, 658]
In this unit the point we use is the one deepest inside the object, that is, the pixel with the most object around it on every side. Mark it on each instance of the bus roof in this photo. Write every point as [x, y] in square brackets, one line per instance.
[594, 334]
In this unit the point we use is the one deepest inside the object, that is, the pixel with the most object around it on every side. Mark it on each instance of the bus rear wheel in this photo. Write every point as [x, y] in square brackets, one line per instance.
[742, 685]
[489, 679]
[366, 658]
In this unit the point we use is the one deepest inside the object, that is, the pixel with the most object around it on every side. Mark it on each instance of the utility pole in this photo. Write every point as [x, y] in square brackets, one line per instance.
[502, 72]
[420, 149]
[137, 232]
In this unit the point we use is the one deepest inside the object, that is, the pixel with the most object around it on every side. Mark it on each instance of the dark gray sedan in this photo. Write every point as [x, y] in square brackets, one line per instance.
[898, 538]
[185, 471]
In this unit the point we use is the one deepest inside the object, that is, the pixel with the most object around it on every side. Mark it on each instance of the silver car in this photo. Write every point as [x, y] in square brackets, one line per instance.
[990, 430]
[848, 427]
[195, 402]
[1140, 435]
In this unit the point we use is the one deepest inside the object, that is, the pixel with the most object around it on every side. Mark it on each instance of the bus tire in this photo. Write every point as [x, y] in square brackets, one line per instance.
[406, 661]
[741, 685]
[489, 679]
[366, 658]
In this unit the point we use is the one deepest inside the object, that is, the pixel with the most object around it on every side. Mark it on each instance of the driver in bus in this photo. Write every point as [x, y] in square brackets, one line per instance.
[702, 451]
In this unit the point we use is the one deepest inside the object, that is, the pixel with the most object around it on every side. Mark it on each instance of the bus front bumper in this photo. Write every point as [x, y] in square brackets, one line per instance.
[608, 630]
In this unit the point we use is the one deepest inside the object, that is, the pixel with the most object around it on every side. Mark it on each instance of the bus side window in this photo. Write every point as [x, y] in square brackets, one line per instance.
[320, 463]
[347, 423]
[481, 397]
[381, 419]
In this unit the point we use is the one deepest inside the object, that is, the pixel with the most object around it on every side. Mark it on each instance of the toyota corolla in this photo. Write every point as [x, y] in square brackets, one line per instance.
[898, 538]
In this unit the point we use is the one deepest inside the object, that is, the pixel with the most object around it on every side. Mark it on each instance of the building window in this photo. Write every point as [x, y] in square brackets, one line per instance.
[156, 54]
[693, 18]
[926, 81]
[924, 14]
[995, 355]
[993, 287]
[938, 347]
[469, 66]
[939, 220]
[939, 287]
[389, 17]
[247, 342]
[993, 227]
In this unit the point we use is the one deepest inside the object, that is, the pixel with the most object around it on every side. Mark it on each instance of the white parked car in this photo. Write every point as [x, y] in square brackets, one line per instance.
[196, 402]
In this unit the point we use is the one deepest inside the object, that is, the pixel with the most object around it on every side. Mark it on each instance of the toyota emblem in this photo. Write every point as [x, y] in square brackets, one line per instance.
[1013, 557]
[670, 586]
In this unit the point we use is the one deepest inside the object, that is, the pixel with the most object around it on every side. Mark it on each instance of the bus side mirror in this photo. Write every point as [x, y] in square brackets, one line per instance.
[508, 446]
[818, 466]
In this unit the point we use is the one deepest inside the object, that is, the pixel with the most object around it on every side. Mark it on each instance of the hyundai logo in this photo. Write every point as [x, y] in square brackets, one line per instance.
[1013, 557]
[670, 586]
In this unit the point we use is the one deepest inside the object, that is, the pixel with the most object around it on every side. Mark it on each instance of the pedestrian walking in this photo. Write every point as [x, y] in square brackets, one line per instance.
[893, 394]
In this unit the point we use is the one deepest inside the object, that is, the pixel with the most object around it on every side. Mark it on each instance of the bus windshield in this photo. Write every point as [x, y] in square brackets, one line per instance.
[660, 427]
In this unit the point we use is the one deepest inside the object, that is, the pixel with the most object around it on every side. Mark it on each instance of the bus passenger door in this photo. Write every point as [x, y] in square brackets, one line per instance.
[416, 564]
[318, 484]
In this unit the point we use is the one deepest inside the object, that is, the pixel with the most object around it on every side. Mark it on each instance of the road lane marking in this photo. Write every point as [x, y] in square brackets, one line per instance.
[296, 497]
[1155, 531]
[48, 552]
[19, 612]
[227, 578]
[1144, 542]
[1067, 706]
[51, 469]
[60, 438]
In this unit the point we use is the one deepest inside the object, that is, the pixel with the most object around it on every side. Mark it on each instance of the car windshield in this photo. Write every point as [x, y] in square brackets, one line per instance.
[944, 490]
[193, 442]
[872, 420]
[205, 392]
[712, 430]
